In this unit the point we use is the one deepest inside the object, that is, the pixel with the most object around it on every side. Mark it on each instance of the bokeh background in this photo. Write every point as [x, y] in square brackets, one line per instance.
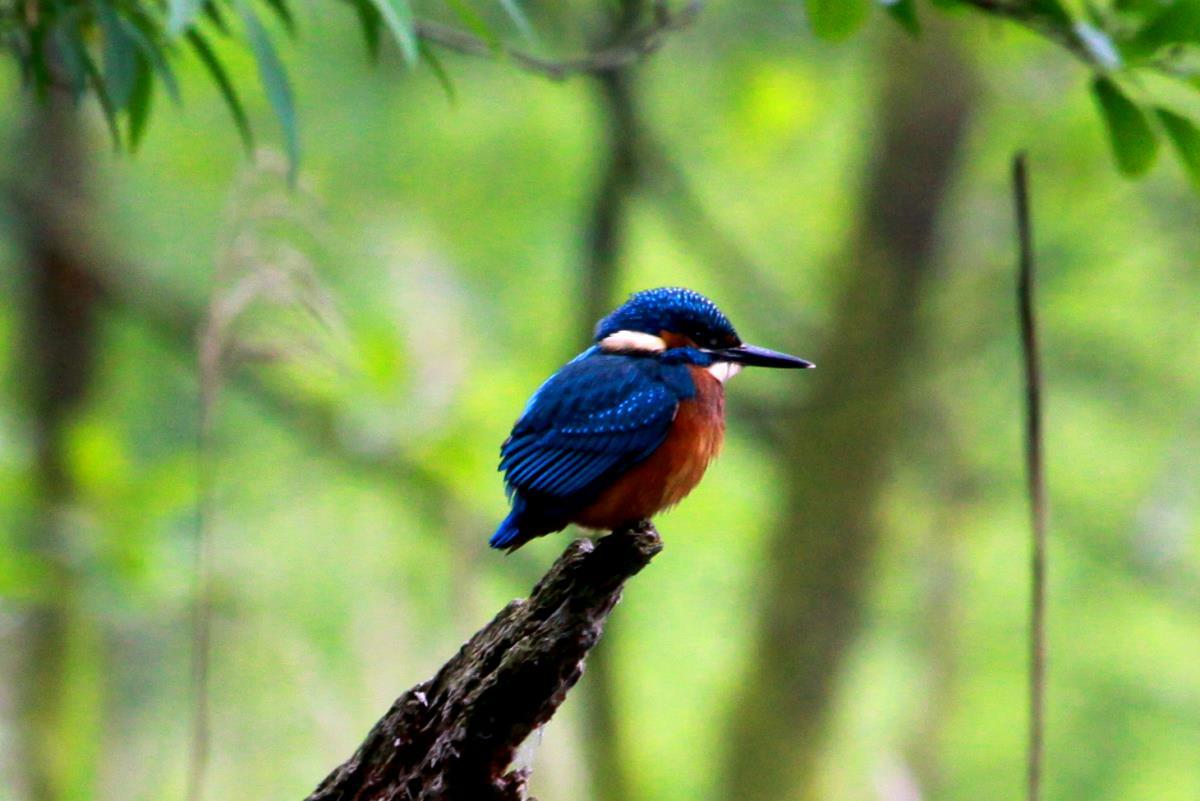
[841, 608]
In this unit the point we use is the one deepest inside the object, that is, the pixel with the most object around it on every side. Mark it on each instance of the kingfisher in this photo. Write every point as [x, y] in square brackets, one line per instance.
[628, 427]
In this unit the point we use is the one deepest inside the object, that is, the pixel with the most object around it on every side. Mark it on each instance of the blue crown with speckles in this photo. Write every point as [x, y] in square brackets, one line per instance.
[674, 309]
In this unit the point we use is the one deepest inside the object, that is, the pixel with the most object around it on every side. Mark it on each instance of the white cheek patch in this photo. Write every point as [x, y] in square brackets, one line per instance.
[723, 371]
[632, 341]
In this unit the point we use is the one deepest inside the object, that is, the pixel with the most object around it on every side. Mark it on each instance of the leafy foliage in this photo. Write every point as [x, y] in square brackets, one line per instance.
[121, 51]
[1122, 43]
[1134, 144]
[1185, 136]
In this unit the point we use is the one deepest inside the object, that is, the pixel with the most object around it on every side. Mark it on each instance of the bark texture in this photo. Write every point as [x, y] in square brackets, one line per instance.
[453, 737]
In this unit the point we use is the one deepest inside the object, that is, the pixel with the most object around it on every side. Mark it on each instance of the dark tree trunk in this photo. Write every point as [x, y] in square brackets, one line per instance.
[58, 349]
[606, 233]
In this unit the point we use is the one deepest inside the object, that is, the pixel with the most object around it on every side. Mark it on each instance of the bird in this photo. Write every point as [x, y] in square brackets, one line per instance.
[628, 427]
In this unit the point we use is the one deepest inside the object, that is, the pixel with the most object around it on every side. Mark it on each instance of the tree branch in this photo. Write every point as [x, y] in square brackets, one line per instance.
[1029, 15]
[640, 41]
[1035, 474]
[454, 736]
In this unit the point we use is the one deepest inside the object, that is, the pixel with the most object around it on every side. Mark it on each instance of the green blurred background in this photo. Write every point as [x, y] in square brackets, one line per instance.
[840, 610]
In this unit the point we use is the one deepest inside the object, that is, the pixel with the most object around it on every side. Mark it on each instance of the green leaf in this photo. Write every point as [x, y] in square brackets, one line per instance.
[213, 12]
[514, 11]
[1185, 136]
[36, 72]
[439, 71]
[140, 101]
[275, 82]
[1177, 23]
[1052, 11]
[905, 13]
[106, 104]
[836, 19]
[1138, 6]
[1133, 142]
[120, 56]
[371, 22]
[67, 41]
[141, 31]
[398, 16]
[280, 7]
[181, 14]
[470, 19]
[217, 71]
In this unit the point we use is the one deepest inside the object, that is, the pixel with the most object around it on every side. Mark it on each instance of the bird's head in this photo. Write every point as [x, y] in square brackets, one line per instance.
[681, 325]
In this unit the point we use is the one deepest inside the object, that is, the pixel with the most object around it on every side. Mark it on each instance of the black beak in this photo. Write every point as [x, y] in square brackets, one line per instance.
[754, 356]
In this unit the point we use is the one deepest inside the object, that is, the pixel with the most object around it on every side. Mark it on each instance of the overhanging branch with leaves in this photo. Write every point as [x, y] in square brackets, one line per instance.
[122, 51]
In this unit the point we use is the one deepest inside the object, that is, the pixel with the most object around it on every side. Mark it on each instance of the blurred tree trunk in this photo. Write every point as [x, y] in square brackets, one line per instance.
[835, 448]
[938, 634]
[606, 234]
[618, 182]
[59, 675]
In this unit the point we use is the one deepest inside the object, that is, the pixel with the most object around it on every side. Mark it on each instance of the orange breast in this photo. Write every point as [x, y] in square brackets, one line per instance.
[674, 469]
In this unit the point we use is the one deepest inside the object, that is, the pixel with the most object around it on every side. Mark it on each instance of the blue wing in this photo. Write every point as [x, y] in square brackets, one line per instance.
[592, 419]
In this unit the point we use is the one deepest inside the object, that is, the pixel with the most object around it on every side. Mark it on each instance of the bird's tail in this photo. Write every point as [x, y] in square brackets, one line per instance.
[524, 524]
[509, 535]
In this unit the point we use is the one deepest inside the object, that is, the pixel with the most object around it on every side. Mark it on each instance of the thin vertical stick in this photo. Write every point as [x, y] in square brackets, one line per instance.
[210, 356]
[202, 591]
[1036, 479]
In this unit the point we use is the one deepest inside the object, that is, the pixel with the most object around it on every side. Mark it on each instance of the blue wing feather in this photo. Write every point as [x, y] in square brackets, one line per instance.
[594, 418]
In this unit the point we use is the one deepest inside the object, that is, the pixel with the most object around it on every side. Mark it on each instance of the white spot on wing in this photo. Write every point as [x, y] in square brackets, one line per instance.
[632, 341]
[723, 371]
